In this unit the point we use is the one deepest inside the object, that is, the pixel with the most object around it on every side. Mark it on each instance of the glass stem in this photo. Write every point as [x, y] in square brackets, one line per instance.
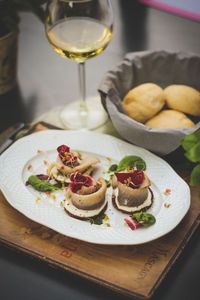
[82, 87]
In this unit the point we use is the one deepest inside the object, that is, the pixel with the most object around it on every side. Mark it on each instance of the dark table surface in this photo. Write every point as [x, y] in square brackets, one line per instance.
[46, 80]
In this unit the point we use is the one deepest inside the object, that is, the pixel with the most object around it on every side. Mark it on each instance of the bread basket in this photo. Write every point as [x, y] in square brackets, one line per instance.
[160, 67]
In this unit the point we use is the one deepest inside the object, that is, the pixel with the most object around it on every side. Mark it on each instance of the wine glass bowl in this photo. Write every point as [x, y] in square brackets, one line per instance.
[79, 30]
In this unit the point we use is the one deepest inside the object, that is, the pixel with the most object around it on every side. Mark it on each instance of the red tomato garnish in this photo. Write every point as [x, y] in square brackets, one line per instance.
[167, 192]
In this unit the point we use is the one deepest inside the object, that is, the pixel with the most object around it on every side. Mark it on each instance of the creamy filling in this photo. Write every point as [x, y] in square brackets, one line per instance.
[81, 212]
[145, 204]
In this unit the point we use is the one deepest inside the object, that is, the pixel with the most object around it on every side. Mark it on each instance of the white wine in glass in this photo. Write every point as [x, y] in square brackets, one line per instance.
[79, 30]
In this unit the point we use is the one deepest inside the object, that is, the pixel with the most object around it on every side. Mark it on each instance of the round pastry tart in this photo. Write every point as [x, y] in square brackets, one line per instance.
[85, 197]
[67, 163]
[131, 192]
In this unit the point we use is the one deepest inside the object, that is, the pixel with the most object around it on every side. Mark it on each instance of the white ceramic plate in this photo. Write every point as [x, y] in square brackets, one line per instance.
[15, 169]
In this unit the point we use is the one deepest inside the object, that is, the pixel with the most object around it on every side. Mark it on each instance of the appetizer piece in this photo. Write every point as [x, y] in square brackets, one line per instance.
[131, 192]
[85, 198]
[68, 163]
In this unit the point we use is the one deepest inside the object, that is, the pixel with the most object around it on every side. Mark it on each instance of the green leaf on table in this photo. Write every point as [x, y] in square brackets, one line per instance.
[131, 161]
[190, 140]
[195, 176]
[42, 186]
[193, 154]
[191, 144]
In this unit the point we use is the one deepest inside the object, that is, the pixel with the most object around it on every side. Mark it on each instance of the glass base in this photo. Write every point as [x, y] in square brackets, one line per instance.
[73, 118]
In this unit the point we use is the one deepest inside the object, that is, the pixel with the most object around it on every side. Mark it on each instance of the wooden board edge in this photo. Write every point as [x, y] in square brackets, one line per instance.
[176, 255]
[32, 128]
[106, 284]
[53, 263]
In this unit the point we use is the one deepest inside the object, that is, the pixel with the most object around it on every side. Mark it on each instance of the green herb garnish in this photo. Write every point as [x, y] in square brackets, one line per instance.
[113, 168]
[191, 144]
[131, 162]
[144, 219]
[42, 186]
[98, 220]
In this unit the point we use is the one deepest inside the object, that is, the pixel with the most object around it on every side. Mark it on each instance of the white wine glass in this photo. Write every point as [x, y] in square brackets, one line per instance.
[79, 30]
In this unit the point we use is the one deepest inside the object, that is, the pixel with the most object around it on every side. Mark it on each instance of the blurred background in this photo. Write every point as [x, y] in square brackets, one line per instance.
[46, 80]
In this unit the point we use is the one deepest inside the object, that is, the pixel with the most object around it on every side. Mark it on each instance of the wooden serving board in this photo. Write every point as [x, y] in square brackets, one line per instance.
[132, 270]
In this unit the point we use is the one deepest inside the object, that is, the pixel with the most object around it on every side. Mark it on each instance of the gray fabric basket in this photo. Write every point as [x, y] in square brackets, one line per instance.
[160, 67]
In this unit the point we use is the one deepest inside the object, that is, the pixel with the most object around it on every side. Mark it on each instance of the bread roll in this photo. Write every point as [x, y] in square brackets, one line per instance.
[183, 98]
[143, 101]
[170, 119]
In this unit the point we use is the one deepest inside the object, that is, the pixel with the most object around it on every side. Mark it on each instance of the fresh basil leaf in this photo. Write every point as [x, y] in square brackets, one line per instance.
[190, 140]
[195, 176]
[193, 154]
[145, 219]
[131, 161]
[42, 186]
[98, 220]
[58, 185]
[113, 168]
